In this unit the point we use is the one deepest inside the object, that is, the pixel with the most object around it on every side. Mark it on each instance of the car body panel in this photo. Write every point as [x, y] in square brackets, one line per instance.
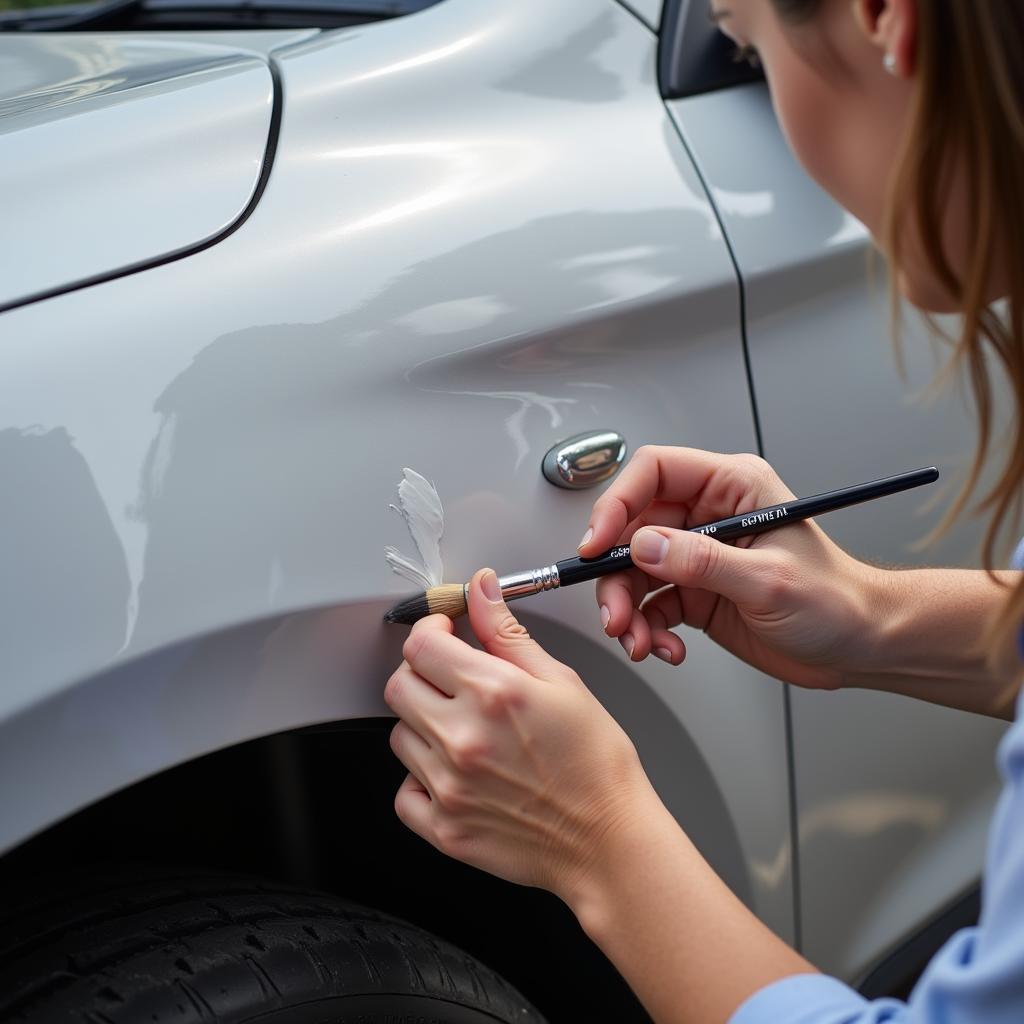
[261, 42]
[448, 269]
[648, 11]
[116, 151]
[893, 795]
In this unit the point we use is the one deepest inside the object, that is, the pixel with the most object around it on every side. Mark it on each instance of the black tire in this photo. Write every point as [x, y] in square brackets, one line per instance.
[201, 947]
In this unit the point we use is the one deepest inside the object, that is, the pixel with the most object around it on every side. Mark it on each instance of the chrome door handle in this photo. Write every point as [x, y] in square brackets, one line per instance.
[585, 459]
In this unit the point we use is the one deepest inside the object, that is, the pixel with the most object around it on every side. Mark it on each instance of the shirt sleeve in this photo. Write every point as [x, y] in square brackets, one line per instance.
[814, 999]
[977, 976]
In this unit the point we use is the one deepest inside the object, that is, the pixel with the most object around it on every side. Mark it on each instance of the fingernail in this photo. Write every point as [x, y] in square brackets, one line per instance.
[490, 586]
[664, 653]
[649, 547]
[605, 616]
[586, 538]
[627, 642]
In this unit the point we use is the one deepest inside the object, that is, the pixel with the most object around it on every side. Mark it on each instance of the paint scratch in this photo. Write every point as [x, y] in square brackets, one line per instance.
[420, 506]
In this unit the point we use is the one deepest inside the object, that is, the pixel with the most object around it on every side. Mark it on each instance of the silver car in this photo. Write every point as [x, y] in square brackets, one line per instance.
[260, 257]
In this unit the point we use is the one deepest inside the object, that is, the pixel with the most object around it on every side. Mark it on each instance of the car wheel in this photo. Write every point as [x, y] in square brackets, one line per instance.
[214, 948]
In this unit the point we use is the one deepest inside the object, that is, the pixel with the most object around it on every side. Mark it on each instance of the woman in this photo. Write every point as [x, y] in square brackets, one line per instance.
[515, 767]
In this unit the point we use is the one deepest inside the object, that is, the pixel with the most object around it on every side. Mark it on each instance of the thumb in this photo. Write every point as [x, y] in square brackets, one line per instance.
[500, 631]
[695, 560]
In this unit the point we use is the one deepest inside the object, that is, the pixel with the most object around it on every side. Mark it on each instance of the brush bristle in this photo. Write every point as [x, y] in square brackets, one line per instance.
[408, 611]
[448, 599]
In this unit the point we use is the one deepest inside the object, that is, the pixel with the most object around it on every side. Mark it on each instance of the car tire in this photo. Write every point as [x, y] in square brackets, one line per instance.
[204, 948]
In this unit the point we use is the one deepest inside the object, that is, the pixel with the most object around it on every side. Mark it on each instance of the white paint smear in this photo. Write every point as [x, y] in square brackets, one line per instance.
[420, 506]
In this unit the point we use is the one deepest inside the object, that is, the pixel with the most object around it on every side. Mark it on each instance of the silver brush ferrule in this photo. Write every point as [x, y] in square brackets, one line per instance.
[522, 584]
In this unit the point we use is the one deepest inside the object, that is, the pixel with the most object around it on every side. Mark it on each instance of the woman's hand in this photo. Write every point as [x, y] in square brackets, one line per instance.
[790, 602]
[514, 766]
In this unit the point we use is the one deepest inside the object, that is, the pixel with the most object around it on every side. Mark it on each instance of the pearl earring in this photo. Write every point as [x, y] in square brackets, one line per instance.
[889, 63]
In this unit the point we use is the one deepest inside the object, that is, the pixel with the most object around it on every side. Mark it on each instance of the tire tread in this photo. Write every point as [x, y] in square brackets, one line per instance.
[201, 947]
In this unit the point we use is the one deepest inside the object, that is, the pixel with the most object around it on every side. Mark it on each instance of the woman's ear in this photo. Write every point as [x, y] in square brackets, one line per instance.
[891, 26]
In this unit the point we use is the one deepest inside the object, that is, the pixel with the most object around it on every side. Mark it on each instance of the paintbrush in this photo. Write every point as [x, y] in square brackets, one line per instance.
[450, 598]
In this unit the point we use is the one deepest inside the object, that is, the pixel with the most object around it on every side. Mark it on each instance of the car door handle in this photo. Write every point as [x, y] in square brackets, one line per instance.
[584, 459]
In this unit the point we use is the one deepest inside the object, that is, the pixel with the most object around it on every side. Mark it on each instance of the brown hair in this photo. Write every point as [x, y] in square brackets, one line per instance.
[969, 106]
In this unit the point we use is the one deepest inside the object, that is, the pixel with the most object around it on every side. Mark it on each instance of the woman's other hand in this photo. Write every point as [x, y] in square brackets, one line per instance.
[789, 601]
[514, 766]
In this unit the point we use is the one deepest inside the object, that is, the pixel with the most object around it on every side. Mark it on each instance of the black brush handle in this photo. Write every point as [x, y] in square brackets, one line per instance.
[746, 524]
[579, 570]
